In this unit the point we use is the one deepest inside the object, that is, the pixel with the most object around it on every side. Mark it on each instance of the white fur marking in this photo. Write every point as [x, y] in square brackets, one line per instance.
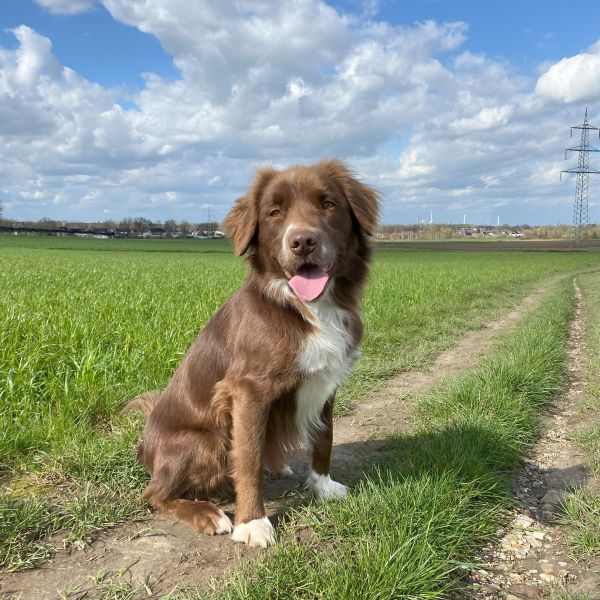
[325, 362]
[223, 524]
[324, 488]
[258, 532]
[285, 247]
[279, 291]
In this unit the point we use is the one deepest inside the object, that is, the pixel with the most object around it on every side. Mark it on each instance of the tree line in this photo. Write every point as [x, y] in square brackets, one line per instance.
[128, 225]
[428, 231]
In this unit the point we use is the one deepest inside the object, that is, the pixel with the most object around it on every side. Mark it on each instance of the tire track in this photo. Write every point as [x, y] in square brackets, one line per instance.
[531, 558]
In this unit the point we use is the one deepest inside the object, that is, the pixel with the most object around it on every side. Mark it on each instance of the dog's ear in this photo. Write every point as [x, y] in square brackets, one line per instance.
[241, 223]
[363, 199]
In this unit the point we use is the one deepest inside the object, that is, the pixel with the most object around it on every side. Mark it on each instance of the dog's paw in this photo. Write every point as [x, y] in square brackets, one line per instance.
[258, 532]
[324, 488]
[223, 524]
[203, 517]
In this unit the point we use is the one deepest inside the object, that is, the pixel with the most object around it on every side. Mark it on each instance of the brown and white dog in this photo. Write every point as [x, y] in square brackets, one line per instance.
[261, 377]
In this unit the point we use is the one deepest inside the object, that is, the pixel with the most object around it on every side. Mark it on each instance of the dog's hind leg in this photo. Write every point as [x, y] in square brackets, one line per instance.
[202, 516]
[193, 462]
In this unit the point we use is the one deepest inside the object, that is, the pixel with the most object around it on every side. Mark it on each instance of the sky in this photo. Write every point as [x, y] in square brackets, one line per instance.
[460, 109]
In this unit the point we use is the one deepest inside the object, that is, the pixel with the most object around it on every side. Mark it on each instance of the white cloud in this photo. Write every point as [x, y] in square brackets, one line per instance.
[457, 193]
[91, 197]
[547, 174]
[34, 57]
[414, 164]
[66, 7]
[486, 118]
[35, 195]
[573, 79]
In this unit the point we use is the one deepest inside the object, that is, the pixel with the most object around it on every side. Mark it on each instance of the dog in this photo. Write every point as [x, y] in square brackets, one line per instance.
[260, 379]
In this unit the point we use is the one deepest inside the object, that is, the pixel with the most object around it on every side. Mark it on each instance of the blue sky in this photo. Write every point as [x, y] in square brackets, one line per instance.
[111, 53]
[92, 43]
[163, 109]
[525, 32]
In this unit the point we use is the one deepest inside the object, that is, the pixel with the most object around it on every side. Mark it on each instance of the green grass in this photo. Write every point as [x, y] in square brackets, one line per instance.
[582, 508]
[582, 518]
[87, 324]
[217, 246]
[589, 438]
[411, 526]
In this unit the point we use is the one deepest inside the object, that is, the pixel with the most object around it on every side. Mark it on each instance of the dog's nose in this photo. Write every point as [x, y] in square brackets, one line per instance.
[303, 243]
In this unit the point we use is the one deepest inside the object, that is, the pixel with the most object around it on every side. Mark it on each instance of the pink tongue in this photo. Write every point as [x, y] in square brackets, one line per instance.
[309, 283]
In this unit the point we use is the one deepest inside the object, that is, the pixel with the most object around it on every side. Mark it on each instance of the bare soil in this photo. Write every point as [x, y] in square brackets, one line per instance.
[478, 245]
[149, 559]
[532, 557]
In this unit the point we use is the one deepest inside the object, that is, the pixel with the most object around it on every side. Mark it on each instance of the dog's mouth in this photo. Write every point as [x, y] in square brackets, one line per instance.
[309, 281]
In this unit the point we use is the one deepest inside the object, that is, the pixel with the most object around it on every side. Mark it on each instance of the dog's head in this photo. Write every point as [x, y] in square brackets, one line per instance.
[307, 224]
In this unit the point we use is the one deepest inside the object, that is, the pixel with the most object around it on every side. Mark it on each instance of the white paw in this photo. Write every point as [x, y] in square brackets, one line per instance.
[324, 488]
[258, 532]
[224, 524]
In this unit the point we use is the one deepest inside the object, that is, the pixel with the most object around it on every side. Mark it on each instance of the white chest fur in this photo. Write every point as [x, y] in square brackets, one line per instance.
[325, 361]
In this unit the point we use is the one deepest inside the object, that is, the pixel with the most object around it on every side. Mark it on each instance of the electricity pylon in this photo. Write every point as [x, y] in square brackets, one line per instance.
[583, 170]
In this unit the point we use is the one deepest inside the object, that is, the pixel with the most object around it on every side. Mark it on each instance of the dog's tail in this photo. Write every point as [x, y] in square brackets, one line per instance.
[146, 402]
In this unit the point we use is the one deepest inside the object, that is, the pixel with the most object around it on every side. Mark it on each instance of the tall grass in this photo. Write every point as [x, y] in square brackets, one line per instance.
[81, 332]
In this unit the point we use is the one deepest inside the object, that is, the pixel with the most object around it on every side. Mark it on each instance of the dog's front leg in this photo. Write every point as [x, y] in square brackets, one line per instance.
[250, 413]
[319, 481]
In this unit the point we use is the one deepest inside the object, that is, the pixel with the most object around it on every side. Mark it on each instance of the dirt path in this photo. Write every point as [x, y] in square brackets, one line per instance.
[151, 558]
[531, 558]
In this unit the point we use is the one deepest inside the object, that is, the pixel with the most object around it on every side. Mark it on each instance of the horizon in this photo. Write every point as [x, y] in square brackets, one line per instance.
[118, 222]
[114, 108]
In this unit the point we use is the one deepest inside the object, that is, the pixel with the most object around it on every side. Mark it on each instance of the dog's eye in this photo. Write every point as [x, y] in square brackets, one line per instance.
[275, 212]
[326, 203]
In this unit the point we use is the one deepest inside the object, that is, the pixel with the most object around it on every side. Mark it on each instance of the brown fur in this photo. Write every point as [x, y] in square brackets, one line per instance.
[231, 403]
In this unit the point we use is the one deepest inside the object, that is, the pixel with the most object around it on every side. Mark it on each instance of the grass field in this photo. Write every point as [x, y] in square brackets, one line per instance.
[87, 324]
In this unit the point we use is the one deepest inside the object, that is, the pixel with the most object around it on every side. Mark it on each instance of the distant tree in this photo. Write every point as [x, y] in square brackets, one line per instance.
[446, 232]
[142, 224]
[126, 224]
[170, 227]
[1, 210]
[47, 223]
[185, 227]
